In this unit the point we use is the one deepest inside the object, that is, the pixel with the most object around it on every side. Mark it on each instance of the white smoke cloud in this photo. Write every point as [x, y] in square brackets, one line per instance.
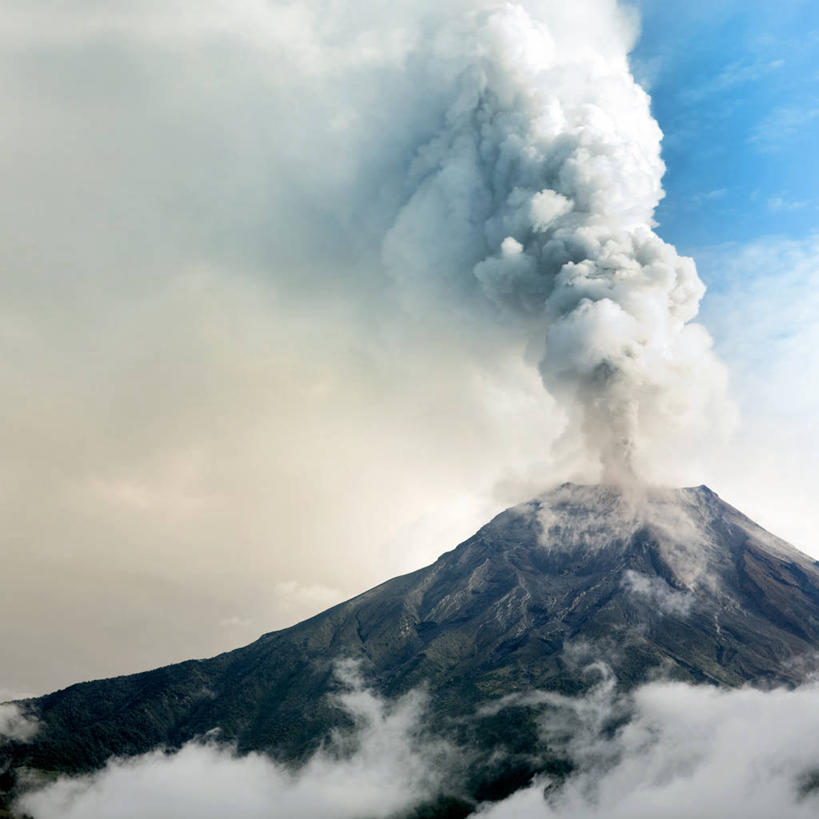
[536, 193]
[15, 724]
[383, 767]
[495, 160]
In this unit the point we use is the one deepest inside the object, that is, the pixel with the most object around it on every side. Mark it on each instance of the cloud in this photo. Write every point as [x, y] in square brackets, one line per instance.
[690, 751]
[783, 124]
[699, 199]
[667, 749]
[380, 768]
[780, 203]
[15, 724]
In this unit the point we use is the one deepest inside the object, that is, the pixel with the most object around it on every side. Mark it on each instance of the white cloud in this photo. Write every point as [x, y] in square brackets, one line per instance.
[383, 767]
[687, 751]
[780, 203]
[657, 593]
[667, 750]
[735, 74]
[15, 724]
[783, 124]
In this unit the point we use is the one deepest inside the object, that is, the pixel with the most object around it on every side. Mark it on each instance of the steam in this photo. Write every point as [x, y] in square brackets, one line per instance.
[535, 196]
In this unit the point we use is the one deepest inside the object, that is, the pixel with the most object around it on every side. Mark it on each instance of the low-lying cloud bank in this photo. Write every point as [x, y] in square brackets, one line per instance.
[691, 751]
[384, 767]
[679, 751]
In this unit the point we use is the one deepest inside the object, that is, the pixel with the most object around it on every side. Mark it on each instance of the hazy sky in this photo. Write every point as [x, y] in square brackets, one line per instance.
[220, 416]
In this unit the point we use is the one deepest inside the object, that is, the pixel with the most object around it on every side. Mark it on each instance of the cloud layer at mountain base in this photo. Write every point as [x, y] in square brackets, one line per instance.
[680, 751]
[693, 751]
[381, 767]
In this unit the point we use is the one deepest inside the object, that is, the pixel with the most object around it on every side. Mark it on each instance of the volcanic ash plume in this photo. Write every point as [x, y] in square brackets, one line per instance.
[533, 199]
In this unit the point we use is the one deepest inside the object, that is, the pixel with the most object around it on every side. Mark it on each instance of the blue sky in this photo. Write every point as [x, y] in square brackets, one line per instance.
[735, 88]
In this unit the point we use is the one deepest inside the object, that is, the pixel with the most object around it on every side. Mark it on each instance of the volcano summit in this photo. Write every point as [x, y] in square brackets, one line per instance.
[654, 583]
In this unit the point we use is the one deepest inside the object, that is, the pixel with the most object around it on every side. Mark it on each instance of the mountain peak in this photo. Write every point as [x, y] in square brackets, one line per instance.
[689, 526]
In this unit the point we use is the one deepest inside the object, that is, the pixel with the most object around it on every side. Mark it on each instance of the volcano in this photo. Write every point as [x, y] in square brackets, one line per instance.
[652, 582]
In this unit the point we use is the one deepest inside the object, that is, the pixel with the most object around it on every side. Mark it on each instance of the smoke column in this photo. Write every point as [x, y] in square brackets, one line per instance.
[490, 163]
[533, 198]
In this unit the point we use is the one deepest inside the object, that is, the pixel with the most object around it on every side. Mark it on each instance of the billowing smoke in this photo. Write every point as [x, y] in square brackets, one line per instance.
[535, 194]
[493, 166]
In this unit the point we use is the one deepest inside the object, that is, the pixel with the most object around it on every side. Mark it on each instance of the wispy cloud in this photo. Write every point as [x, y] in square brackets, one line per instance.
[657, 593]
[16, 724]
[385, 766]
[782, 125]
[780, 203]
[735, 74]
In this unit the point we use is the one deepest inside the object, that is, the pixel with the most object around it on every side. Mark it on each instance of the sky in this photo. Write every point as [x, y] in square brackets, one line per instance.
[735, 89]
[219, 415]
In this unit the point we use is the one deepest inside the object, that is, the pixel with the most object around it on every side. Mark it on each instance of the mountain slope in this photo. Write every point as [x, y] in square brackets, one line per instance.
[672, 582]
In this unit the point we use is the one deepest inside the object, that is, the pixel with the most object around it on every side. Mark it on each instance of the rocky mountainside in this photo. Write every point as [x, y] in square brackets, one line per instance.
[654, 582]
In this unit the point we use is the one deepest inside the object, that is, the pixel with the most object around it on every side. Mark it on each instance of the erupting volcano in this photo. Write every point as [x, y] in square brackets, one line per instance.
[645, 583]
